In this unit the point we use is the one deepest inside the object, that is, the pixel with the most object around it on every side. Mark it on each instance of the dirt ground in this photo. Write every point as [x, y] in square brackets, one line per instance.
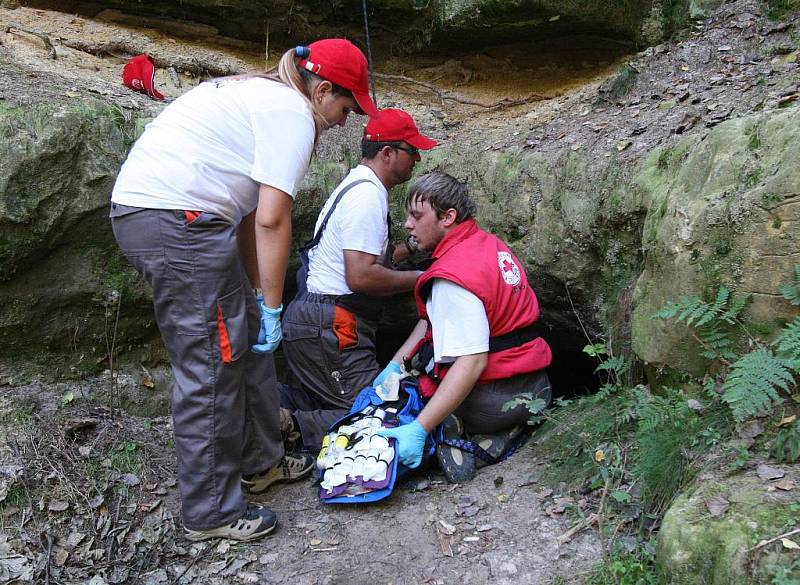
[94, 492]
[88, 495]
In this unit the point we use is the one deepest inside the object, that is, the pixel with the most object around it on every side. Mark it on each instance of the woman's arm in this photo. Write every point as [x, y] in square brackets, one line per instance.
[273, 235]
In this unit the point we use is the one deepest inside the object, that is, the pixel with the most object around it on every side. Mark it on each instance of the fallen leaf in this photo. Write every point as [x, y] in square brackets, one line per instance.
[599, 455]
[621, 145]
[717, 505]
[446, 528]
[502, 498]
[315, 542]
[60, 556]
[785, 484]
[790, 544]
[785, 422]
[131, 480]
[67, 399]
[766, 472]
[445, 544]
[57, 506]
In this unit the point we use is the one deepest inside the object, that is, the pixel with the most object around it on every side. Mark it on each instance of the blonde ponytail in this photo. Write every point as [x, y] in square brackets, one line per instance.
[289, 74]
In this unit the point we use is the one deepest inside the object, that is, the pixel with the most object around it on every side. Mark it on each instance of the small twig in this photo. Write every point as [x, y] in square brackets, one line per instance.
[764, 543]
[47, 566]
[197, 557]
[601, 513]
[571, 304]
[51, 50]
[585, 523]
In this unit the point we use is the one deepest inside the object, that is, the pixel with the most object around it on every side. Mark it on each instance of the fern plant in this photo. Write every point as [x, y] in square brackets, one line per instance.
[713, 322]
[612, 367]
[791, 292]
[786, 445]
[665, 431]
[752, 382]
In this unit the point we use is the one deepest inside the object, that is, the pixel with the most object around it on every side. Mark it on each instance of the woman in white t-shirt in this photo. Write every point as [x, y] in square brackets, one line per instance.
[202, 209]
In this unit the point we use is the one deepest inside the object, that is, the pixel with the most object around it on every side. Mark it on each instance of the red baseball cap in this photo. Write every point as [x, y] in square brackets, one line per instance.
[341, 62]
[139, 74]
[392, 125]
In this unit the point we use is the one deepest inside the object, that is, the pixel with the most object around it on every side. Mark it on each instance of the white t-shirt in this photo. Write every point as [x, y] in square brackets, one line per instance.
[210, 148]
[358, 223]
[459, 322]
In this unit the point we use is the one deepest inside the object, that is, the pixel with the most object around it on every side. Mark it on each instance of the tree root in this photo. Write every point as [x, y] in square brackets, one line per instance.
[122, 49]
[51, 50]
[446, 95]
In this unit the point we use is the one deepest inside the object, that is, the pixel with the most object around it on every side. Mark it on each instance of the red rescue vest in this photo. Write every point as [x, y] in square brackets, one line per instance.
[481, 263]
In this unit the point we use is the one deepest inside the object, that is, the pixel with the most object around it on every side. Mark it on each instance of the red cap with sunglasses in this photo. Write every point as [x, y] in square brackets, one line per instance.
[392, 125]
[341, 62]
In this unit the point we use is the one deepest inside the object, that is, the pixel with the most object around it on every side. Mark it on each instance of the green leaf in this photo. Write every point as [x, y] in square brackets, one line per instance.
[67, 399]
[595, 350]
[621, 496]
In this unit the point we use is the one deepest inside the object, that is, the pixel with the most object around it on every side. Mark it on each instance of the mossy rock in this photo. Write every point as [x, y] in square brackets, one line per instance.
[697, 548]
[722, 210]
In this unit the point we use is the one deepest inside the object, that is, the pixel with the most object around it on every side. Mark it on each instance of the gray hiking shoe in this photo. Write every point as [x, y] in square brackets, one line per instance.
[292, 467]
[256, 522]
[458, 465]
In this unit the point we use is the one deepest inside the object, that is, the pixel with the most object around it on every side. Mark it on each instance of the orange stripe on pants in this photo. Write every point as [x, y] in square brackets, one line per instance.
[224, 340]
[344, 327]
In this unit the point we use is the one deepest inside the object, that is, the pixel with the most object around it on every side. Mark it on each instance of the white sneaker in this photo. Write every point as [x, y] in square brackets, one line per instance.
[293, 466]
[256, 522]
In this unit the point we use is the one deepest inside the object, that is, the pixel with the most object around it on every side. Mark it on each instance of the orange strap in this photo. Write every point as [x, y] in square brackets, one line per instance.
[192, 215]
[224, 340]
[344, 327]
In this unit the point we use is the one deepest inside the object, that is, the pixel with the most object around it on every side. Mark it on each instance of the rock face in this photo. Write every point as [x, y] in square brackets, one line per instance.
[404, 24]
[59, 264]
[720, 210]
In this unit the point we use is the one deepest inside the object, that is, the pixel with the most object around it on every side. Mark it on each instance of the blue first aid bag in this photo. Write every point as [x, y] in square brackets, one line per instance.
[369, 405]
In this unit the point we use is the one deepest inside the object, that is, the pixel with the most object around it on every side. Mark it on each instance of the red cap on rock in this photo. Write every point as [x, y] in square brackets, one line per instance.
[139, 74]
[341, 62]
[392, 125]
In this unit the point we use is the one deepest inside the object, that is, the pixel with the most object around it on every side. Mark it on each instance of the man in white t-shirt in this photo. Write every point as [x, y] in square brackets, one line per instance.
[329, 328]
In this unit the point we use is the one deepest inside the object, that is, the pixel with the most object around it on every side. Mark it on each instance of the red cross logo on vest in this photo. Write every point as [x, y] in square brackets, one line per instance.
[508, 268]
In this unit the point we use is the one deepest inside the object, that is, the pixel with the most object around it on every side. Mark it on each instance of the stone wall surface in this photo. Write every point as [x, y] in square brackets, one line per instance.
[405, 24]
[722, 210]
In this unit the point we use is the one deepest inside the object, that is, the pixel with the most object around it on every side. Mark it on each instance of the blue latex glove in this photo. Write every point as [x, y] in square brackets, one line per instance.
[270, 333]
[410, 442]
[391, 368]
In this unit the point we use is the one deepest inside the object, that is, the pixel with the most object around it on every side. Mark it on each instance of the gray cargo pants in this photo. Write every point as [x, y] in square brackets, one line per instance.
[331, 352]
[225, 399]
[482, 409]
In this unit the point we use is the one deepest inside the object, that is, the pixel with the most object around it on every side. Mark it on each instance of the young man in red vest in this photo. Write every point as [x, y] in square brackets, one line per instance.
[477, 314]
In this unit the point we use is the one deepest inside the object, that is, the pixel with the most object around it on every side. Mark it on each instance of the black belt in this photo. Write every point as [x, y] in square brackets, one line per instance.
[514, 338]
